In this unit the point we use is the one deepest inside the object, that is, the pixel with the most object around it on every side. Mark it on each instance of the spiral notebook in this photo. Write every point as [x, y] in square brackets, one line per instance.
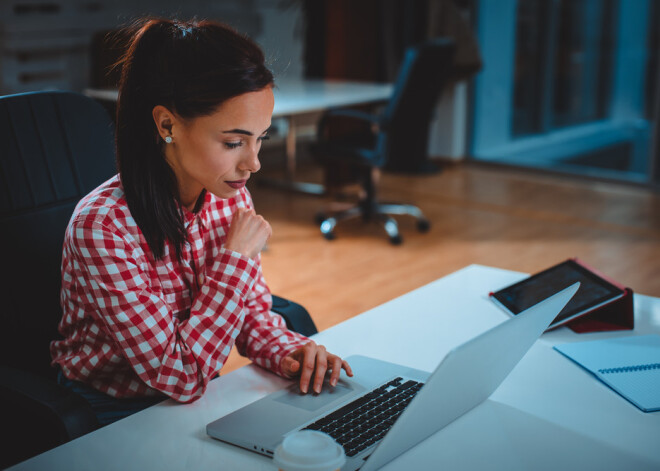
[629, 365]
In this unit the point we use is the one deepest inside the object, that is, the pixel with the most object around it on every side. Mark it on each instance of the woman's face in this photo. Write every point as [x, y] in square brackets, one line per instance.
[219, 152]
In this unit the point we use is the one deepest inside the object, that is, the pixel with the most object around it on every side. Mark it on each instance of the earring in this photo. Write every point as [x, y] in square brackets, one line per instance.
[168, 139]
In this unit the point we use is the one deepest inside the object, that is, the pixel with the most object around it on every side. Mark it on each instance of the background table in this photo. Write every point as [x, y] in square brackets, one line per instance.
[548, 414]
[295, 100]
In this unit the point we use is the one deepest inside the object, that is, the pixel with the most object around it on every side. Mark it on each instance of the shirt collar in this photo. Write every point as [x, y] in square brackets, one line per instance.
[189, 216]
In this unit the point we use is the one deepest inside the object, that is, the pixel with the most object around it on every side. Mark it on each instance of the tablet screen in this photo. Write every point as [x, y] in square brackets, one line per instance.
[593, 291]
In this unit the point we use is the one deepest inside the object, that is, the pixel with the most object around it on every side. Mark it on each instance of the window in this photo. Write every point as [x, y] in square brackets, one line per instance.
[567, 85]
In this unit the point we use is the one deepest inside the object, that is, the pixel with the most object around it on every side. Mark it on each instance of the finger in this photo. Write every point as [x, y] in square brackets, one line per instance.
[321, 368]
[290, 366]
[240, 212]
[336, 370]
[347, 368]
[307, 366]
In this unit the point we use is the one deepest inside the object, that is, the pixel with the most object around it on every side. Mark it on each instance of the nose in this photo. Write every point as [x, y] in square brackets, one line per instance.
[250, 161]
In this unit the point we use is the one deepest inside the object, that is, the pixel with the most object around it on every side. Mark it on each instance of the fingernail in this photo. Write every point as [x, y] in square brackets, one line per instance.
[333, 382]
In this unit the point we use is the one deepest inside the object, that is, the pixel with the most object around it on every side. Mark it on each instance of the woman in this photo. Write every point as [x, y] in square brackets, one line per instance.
[161, 271]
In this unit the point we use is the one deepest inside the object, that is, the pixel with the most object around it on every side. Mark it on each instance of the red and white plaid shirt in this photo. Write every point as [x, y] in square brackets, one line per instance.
[136, 326]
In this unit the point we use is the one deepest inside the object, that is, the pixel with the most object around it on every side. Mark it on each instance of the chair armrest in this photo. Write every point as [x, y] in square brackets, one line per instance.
[296, 317]
[39, 414]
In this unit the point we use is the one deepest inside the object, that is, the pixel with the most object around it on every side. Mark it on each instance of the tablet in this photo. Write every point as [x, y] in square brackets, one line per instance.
[594, 291]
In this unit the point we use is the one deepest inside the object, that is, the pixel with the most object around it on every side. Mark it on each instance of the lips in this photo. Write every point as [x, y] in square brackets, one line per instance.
[236, 184]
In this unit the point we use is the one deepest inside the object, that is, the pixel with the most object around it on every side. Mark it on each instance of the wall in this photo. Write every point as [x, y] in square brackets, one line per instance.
[46, 44]
[448, 134]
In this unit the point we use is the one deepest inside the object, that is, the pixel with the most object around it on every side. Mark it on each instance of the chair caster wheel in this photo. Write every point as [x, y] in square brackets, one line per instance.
[319, 218]
[396, 240]
[423, 225]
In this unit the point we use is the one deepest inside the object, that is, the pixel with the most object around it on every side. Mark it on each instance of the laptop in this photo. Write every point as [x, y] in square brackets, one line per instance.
[386, 409]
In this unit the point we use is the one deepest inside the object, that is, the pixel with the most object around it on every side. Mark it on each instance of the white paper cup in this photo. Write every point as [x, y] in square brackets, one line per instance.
[309, 450]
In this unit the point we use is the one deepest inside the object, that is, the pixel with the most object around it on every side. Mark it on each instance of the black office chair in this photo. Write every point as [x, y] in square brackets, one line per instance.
[56, 147]
[396, 139]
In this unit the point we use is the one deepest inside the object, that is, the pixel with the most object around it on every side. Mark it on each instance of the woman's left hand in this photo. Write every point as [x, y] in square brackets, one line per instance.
[313, 361]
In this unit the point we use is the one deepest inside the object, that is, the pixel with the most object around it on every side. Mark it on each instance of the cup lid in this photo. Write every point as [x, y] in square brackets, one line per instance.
[309, 450]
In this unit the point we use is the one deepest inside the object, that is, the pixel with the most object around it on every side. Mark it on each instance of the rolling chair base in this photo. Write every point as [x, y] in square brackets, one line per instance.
[380, 212]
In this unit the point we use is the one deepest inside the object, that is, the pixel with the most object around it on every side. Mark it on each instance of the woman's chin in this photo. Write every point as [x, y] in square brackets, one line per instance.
[224, 193]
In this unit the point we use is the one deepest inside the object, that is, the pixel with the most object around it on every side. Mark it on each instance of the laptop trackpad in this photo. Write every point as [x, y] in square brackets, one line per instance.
[310, 401]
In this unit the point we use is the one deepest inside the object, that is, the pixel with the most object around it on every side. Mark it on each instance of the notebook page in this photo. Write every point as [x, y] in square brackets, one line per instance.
[642, 388]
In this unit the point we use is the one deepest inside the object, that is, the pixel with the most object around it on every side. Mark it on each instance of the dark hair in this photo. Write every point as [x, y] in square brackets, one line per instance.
[190, 67]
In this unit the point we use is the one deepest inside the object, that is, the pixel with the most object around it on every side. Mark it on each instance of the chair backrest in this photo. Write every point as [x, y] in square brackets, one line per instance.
[406, 119]
[56, 148]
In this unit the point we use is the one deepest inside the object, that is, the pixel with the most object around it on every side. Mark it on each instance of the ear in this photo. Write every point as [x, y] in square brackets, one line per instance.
[164, 120]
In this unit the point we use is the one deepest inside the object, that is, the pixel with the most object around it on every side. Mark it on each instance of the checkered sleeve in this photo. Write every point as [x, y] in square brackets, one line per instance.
[265, 338]
[176, 357]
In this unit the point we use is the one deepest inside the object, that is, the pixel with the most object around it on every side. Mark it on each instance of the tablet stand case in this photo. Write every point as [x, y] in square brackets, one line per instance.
[616, 315]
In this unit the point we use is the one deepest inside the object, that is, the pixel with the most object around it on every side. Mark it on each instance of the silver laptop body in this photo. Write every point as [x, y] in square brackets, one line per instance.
[465, 378]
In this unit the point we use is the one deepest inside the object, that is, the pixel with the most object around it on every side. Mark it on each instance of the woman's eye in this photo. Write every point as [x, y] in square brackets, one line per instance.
[233, 145]
[264, 137]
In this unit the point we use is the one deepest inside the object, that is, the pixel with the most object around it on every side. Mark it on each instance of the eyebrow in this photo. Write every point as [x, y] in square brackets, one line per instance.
[242, 131]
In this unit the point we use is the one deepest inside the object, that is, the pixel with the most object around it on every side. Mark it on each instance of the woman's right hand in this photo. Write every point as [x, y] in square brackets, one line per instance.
[248, 233]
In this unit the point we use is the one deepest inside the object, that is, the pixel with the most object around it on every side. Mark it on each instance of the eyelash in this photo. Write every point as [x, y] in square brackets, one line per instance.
[234, 145]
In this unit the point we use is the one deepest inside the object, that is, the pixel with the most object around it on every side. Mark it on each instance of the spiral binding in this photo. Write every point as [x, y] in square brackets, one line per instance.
[629, 369]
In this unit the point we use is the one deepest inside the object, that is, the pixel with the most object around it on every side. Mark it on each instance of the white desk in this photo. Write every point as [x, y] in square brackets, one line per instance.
[548, 414]
[294, 98]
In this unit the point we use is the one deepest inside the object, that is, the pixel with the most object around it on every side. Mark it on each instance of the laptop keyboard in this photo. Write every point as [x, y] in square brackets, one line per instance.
[363, 422]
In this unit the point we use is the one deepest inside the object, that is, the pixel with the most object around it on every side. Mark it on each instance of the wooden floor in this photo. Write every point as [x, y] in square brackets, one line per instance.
[510, 219]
